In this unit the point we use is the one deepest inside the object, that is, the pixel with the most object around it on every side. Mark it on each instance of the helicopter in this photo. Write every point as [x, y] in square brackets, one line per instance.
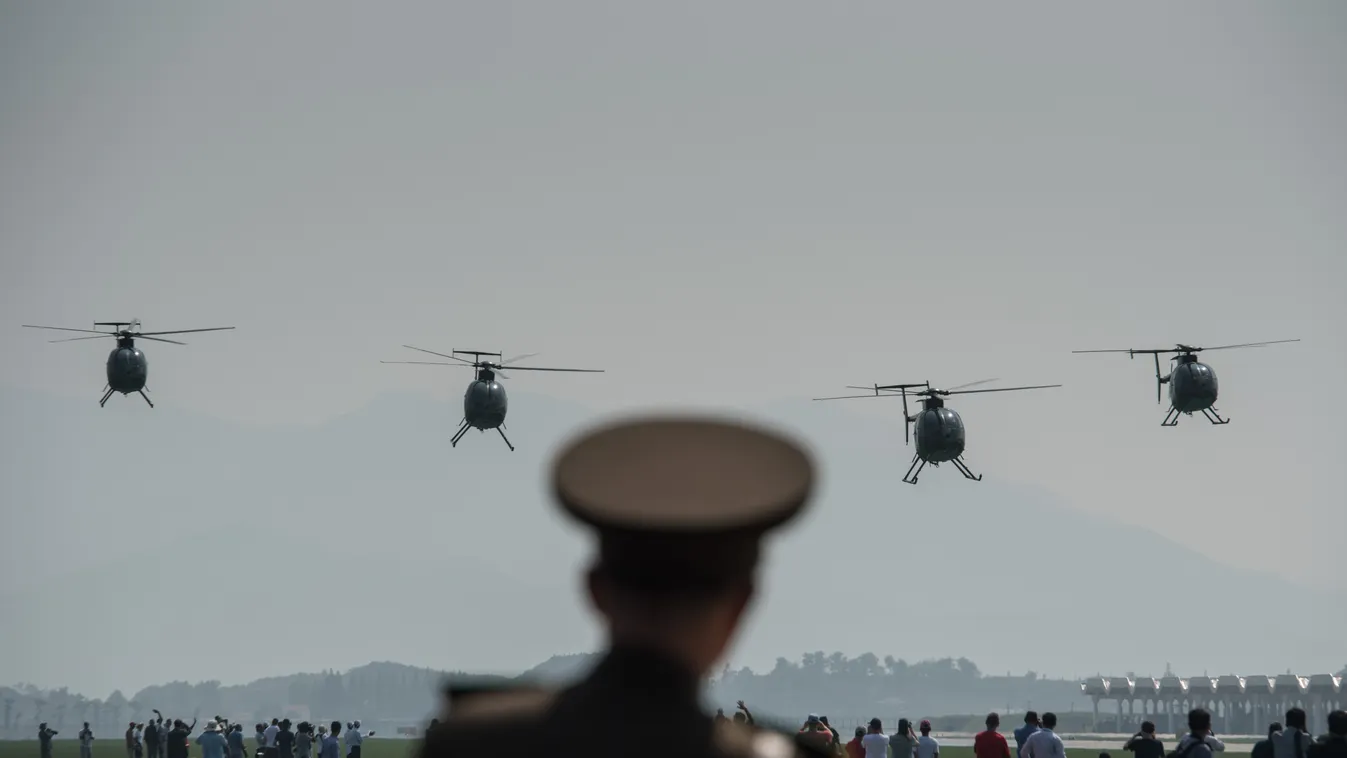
[939, 431]
[127, 365]
[484, 404]
[1192, 384]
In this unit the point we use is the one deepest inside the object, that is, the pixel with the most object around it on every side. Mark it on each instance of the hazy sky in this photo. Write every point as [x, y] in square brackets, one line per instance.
[721, 204]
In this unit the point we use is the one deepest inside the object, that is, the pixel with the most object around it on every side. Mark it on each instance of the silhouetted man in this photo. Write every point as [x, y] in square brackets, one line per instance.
[1333, 744]
[1144, 744]
[1022, 733]
[86, 741]
[1044, 743]
[1263, 748]
[1293, 741]
[1199, 742]
[991, 743]
[680, 507]
[44, 736]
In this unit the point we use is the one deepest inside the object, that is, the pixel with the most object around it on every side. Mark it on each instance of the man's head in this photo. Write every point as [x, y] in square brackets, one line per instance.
[1148, 727]
[1031, 718]
[876, 726]
[740, 718]
[993, 721]
[1199, 721]
[1049, 720]
[86, 725]
[680, 507]
[1337, 723]
[1295, 718]
[1273, 728]
[860, 732]
[925, 727]
[336, 728]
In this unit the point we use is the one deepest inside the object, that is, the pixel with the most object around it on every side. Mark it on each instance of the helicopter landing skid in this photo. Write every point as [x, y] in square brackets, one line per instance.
[1172, 418]
[462, 430]
[917, 465]
[147, 398]
[465, 426]
[963, 469]
[106, 395]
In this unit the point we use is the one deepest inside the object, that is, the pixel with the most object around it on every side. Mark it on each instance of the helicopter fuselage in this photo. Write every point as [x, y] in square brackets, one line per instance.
[1192, 385]
[127, 368]
[485, 403]
[938, 432]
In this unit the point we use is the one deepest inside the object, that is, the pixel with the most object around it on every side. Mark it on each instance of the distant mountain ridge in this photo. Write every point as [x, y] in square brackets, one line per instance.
[367, 537]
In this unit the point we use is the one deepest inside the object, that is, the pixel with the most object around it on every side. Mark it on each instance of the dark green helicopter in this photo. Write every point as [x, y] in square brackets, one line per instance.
[127, 366]
[939, 431]
[485, 403]
[1192, 384]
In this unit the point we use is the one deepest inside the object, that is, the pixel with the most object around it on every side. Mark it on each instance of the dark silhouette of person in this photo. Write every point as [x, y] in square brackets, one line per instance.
[679, 507]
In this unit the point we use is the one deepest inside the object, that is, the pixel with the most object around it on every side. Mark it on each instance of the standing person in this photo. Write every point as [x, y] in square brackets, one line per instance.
[927, 746]
[355, 739]
[743, 715]
[854, 748]
[1333, 744]
[1022, 734]
[875, 741]
[151, 735]
[303, 740]
[1263, 748]
[1294, 741]
[331, 747]
[269, 739]
[903, 743]
[234, 740]
[44, 736]
[1199, 742]
[680, 507]
[837, 738]
[138, 749]
[991, 743]
[131, 740]
[816, 734]
[213, 744]
[1144, 744]
[1045, 743]
[176, 744]
[86, 741]
[285, 740]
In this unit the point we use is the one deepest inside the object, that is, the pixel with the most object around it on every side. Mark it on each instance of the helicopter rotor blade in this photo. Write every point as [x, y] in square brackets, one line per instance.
[1246, 344]
[1131, 351]
[442, 355]
[517, 358]
[999, 389]
[77, 339]
[539, 368]
[68, 329]
[158, 339]
[849, 397]
[430, 363]
[972, 384]
[181, 331]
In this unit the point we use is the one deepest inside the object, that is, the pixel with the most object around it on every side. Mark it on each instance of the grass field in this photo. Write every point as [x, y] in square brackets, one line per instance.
[394, 748]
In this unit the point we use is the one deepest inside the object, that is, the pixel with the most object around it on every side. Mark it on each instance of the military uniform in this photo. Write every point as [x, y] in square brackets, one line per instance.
[675, 503]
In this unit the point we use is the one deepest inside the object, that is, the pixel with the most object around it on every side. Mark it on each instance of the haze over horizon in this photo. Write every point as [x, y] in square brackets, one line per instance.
[725, 206]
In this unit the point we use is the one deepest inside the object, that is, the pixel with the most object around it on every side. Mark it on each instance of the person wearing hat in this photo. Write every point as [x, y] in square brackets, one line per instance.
[927, 746]
[213, 743]
[44, 736]
[679, 507]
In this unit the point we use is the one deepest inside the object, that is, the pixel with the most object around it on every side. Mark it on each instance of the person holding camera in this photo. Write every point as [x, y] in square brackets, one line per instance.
[1144, 744]
[86, 741]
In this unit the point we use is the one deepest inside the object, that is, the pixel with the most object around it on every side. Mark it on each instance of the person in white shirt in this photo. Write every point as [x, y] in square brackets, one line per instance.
[1294, 741]
[927, 746]
[1044, 743]
[269, 739]
[354, 739]
[875, 742]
